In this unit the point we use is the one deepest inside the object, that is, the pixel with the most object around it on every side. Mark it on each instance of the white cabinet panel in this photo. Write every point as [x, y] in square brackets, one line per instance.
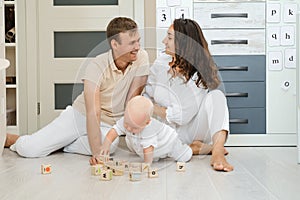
[235, 42]
[229, 15]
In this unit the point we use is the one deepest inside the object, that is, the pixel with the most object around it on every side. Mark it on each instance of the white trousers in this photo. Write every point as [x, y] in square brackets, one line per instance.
[175, 149]
[67, 131]
[212, 117]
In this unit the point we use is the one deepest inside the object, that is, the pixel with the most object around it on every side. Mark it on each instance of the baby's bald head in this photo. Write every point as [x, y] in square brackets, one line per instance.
[138, 112]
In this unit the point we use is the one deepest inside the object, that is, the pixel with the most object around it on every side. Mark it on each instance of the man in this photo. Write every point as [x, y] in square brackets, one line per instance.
[110, 80]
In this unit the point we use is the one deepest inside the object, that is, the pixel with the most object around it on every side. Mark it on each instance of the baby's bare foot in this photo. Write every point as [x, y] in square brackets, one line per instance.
[10, 139]
[219, 162]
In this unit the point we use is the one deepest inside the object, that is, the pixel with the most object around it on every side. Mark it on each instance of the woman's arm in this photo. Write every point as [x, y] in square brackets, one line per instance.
[160, 111]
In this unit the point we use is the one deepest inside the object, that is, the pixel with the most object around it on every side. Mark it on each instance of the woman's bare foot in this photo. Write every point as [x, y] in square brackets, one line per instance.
[10, 139]
[200, 148]
[219, 162]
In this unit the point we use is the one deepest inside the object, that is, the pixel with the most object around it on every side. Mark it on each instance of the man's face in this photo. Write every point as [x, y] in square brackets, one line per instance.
[127, 47]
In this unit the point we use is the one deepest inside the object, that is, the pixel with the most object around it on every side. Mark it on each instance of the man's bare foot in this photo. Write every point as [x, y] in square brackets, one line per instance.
[219, 162]
[200, 148]
[10, 139]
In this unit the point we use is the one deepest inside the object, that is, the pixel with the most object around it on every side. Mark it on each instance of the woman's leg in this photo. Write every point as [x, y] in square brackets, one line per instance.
[218, 160]
[213, 127]
[60, 132]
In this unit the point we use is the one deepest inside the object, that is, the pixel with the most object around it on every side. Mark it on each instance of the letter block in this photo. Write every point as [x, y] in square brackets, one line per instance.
[106, 175]
[135, 176]
[96, 169]
[152, 173]
[145, 167]
[46, 169]
[180, 167]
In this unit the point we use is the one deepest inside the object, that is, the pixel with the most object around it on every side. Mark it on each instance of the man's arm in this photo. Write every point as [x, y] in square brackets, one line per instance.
[148, 154]
[136, 87]
[93, 113]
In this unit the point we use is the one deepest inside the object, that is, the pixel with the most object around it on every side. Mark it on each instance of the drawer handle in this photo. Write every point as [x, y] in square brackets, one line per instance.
[238, 15]
[236, 94]
[234, 68]
[238, 121]
[213, 42]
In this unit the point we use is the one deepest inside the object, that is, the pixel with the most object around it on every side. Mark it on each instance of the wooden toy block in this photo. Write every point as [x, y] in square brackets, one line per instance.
[135, 176]
[152, 173]
[96, 169]
[117, 163]
[126, 165]
[180, 167]
[108, 165]
[145, 167]
[117, 171]
[106, 175]
[137, 167]
[103, 159]
[46, 169]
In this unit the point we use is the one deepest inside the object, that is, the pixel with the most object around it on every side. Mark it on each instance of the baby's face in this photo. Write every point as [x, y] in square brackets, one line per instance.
[134, 125]
[133, 128]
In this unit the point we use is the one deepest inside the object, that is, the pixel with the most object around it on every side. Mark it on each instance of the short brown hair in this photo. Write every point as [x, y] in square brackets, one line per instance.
[119, 25]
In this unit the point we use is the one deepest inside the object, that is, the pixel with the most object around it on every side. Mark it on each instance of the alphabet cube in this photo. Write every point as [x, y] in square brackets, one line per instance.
[152, 173]
[117, 170]
[145, 167]
[180, 167]
[46, 169]
[103, 159]
[96, 169]
[106, 175]
[135, 167]
[135, 176]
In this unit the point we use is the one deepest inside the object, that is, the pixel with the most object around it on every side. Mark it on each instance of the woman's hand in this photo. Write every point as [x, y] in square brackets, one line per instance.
[160, 111]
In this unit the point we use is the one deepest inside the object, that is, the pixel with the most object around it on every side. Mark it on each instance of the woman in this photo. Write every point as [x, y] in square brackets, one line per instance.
[183, 85]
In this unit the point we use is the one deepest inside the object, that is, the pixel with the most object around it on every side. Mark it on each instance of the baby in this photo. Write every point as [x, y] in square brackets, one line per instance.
[146, 136]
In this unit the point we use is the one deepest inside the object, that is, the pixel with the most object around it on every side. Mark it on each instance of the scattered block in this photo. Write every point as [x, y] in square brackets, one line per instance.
[135, 176]
[152, 173]
[106, 175]
[117, 171]
[103, 159]
[46, 169]
[108, 165]
[126, 165]
[180, 167]
[145, 167]
[96, 169]
[137, 167]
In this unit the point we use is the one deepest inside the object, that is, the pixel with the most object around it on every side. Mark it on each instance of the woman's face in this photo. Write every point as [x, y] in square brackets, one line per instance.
[169, 41]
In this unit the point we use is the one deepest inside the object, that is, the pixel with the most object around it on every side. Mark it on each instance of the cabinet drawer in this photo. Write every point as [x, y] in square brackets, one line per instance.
[236, 41]
[247, 120]
[242, 68]
[245, 94]
[230, 15]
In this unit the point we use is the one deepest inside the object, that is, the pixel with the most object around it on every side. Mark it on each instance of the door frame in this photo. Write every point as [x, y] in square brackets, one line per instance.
[31, 98]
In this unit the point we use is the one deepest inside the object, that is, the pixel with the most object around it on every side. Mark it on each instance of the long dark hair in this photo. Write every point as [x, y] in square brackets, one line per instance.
[192, 54]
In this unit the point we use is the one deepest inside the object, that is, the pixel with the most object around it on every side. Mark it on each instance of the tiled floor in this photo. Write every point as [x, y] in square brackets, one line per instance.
[260, 173]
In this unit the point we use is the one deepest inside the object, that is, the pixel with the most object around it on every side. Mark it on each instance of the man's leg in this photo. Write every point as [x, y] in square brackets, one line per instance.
[57, 134]
[81, 144]
[10, 139]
